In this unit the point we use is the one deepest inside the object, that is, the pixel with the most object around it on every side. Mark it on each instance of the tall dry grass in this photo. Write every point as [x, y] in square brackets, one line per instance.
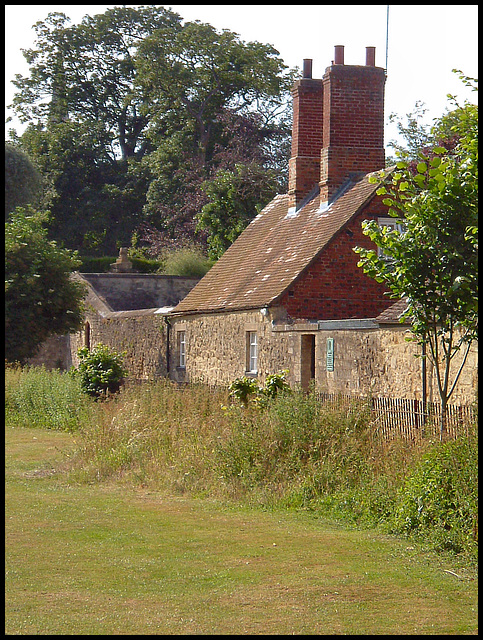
[295, 452]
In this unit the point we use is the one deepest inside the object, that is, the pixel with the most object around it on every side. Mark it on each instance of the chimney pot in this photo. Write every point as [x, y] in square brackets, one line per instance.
[370, 56]
[339, 54]
[307, 68]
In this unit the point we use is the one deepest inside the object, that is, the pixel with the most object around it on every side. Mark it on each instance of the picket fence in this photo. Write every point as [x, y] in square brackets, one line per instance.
[409, 418]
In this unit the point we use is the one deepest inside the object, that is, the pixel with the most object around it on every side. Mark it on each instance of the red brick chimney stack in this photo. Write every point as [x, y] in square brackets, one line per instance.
[304, 165]
[338, 126]
[353, 123]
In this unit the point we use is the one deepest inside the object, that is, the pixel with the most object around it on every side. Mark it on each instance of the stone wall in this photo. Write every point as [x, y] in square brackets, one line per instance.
[382, 361]
[367, 357]
[140, 334]
[216, 347]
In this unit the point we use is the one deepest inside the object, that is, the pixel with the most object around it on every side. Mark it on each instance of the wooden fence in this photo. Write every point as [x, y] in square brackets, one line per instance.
[411, 419]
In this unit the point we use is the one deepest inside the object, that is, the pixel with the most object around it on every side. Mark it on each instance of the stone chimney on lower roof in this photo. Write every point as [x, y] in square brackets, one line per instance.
[122, 264]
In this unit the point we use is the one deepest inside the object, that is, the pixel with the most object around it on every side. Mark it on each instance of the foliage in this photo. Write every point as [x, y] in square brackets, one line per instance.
[245, 388]
[92, 264]
[298, 453]
[41, 298]
[100, 370]
[433, 261]
[23, 182]
[87, 71]
[186, 261]
[439, 498]
[130, 111]
[89, 135]
[276, 382]
[199, 72]
[35, 397]
[235, 197]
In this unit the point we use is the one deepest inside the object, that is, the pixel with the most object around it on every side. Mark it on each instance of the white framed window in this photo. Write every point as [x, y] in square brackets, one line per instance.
[182, 349]
[392, 224]
[252, 352]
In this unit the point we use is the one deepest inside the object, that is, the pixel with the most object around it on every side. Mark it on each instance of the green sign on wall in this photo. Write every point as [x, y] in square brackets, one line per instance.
[330, 354]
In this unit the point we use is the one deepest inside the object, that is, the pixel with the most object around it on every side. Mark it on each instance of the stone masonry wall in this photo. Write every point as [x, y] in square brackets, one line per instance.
[216, 347]
[377, 360]
[383, 362]
[141, 334]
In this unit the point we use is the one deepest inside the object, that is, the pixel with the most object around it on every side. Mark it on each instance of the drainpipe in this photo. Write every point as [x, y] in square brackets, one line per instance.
[168, 339]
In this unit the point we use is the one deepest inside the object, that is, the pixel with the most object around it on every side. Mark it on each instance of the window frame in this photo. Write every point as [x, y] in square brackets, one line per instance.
[394, 225]
[181, 343]
[251, 365]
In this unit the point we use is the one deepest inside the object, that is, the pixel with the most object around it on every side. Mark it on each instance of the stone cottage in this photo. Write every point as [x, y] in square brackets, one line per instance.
[288, 293]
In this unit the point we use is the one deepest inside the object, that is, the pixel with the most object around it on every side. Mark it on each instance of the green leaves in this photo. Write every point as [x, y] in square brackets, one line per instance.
[101, 370]
[433, 262]
[41, 298]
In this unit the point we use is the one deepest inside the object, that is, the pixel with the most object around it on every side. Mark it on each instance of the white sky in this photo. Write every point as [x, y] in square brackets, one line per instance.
[425, 42]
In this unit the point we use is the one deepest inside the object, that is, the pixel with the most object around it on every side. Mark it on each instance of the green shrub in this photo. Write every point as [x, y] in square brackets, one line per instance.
[244, 388]
[91, 264]
[96, 264]
[146, 265]
[276, 382]
[186, 261]
[439, 498]
[101, 370]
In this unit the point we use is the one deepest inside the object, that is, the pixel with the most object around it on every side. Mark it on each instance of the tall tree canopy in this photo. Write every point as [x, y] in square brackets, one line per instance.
[23, 182]
[130, 112]
[231, 97]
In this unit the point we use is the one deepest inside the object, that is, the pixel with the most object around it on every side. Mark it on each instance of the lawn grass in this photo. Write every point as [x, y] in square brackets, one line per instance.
[106, 558]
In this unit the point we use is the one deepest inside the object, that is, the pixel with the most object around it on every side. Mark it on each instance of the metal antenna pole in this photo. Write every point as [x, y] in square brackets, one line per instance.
[387, 33]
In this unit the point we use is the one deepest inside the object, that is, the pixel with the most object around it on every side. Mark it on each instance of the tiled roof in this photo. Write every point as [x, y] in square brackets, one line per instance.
[133, 291]
[392, 314]
[273, 250]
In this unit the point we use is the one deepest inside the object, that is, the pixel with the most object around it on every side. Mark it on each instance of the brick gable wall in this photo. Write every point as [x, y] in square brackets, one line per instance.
[334, 287]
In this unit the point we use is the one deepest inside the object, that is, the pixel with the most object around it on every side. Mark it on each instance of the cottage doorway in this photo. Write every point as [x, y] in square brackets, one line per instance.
[307, 360]
[87, 335]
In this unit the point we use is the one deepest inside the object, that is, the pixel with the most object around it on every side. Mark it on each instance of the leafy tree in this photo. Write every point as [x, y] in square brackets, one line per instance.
[197, 72]
[130, 112]
[85, 193]
[235, 197]
[85, 73]
[433, 262]
[217, 102]
[420, 137]
[41, 298]
[413, 131]
[23, 182]
[87, 130]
